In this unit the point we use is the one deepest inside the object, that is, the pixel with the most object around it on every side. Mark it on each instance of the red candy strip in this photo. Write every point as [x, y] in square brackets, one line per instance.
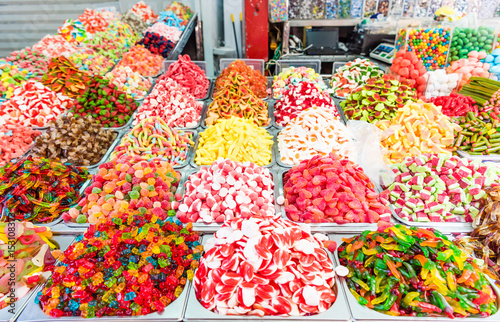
[189, 75]
[455, 104]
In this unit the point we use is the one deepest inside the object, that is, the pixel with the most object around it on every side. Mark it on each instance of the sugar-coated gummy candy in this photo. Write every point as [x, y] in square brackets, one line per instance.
[35, 62]
[265, 266]
[173, 103]
[73, 31]
[155, 180]
[468, 67]
[49, 186]
[80, 141]
[171, 33]
[441, 83]
[293, 76]
[236, 139]
[15, 141]
[144, 11]
[226, 190]
[332, 189]
[189, 75]
[416, 129]
[315, 131]
[248, 76]
[93, 21]
[298, 98]
[157, 44]
[53, 46]
[11, 76]
[439, 188]
[153, 138]
[131, 264]
[129, 81]
[102, 100]
[134, 21]
[89, 60]
[237, 99]
[380, 98]
[181, 10]
[142, 61]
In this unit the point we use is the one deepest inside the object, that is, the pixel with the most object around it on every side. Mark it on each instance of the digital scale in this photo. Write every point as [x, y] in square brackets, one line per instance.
[384, 52]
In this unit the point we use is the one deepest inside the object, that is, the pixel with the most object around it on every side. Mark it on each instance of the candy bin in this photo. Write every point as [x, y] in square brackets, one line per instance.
[237, 99]
[132, 248]
[57, 190]
[407, 67]
[150, 187]
[318, 9]
[332, 9]
[431, 45]
[401, 39]
[265, 293]
[153, 138]
[417, 128]
[352, 76]
[237, 139]
[15, 141]
[253, 193]
[349, 199]
[466, 40]
[379, 99]
[294, 9]
[407, 268]
[252, 77]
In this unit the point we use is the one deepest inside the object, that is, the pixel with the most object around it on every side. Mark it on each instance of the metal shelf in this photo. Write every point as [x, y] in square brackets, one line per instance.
[325, 22]
[186, 33]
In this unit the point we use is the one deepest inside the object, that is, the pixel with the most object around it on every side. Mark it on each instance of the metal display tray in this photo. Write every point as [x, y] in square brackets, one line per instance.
[190, 153]
[270, 114]
[329, 227]
[203, 66]
[213, 227]
[338, 312]
[5, 316]
[362, 313]
[173, 312]
[57, 223]
[483, 158]
[86, 225]
[186, 33]
[273, 157]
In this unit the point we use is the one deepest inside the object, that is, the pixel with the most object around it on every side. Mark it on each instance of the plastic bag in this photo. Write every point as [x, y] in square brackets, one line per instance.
[366, 152]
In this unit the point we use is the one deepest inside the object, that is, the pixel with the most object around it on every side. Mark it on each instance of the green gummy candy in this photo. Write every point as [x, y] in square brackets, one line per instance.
[81, 219]
[96, 190]
[134, 194]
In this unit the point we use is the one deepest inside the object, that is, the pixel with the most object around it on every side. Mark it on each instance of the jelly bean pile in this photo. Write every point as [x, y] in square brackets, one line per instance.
[229, 191]
[129, 182]
[152, 138]
[39, 189]
[332, 189]
[415, 271]
[79, 141]
[134, 269]
[466, 40]
[34, 252]
[266, 288]
[437, 188]
[186, 73]
[173, 103]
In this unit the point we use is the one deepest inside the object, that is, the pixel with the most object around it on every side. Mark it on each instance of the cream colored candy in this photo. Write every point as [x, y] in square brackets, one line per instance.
[418, 128]
[314, 131]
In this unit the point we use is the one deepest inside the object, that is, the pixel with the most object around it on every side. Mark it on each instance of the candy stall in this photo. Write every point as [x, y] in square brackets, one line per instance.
[350, 178]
